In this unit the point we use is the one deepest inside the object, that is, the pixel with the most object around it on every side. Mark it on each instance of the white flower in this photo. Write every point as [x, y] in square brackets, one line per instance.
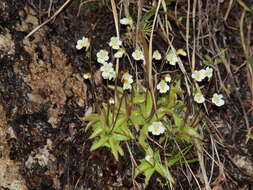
[208, 72]
[111, 101]
[172, 58]
[115, 43]
[107, 71]
[156, 128]
[127, 86]
[119, 53]
[181, 52]
[157, 55]
[86, 75]
[198, 75]
[217, 99]
[149, 159]
[167, 78]
[126, 21]
[102, 56]
[84, 42]
[138, 55]
[163, 87]
[128, 80]
[199, 98]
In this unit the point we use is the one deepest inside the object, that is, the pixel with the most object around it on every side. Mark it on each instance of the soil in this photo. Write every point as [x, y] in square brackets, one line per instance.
[43, 96]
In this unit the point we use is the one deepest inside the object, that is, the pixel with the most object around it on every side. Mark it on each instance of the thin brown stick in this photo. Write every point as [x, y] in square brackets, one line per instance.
[48, 20]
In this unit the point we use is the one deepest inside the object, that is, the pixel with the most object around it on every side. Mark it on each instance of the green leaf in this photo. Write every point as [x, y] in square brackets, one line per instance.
[119, 89]
[149, 14]
[162, 111]
[178, 157]
[136, 117]
[98, 131]
[148, 105]
[142, 167]
[91, 123]
[138, 98]
[107, 115]
[148, 174]
[103, 119]
[171, 101]
[97, 125]
[126, 131]
[148, 150]
[122, 119]
[164, 172]
[114, 147]
[120, 137]
[143, 135]
[179, 107]
[177, 89]
[120, 150]
[191, 132]
[190, 161]
[178, 121]
[251, 63]
[91, 117]
[250, 136]
[101, 142]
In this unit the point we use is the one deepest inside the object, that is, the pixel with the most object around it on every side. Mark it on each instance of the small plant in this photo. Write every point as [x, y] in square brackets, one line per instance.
[152, 117]
[133, 117]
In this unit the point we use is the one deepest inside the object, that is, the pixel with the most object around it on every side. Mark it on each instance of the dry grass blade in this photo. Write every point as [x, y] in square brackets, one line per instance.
[203, 169]
[126, 8]
[246, 8]
[188, 166]
[228, 10]
[140, 6]
[250, 81]
[48, 20]
[149, 58]
[188, 29]
[194, 35]
[116, 22]
[244, 45]
[249, 63]
[81, 4]
[115, 17]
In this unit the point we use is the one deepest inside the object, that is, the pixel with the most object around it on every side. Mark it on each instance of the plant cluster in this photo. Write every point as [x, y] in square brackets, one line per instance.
[154, 119]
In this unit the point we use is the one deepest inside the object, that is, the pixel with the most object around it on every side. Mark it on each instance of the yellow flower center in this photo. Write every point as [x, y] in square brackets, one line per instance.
[156, 130]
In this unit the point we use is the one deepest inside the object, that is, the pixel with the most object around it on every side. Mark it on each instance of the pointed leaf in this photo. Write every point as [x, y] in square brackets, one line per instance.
[120, 150]
[164, 172]
[142, 167]
[91, 117]
[143, 135]
[120, 137]
[148, 174]
[138, 98]
[171, 100]
[122, 119]
[148, 105]
[178, 121]
[97, 132]
[178, 157]
[136, 117]
[191, 132]
[114, 147]
[101, 142]
[91, 123]
[119, 89]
